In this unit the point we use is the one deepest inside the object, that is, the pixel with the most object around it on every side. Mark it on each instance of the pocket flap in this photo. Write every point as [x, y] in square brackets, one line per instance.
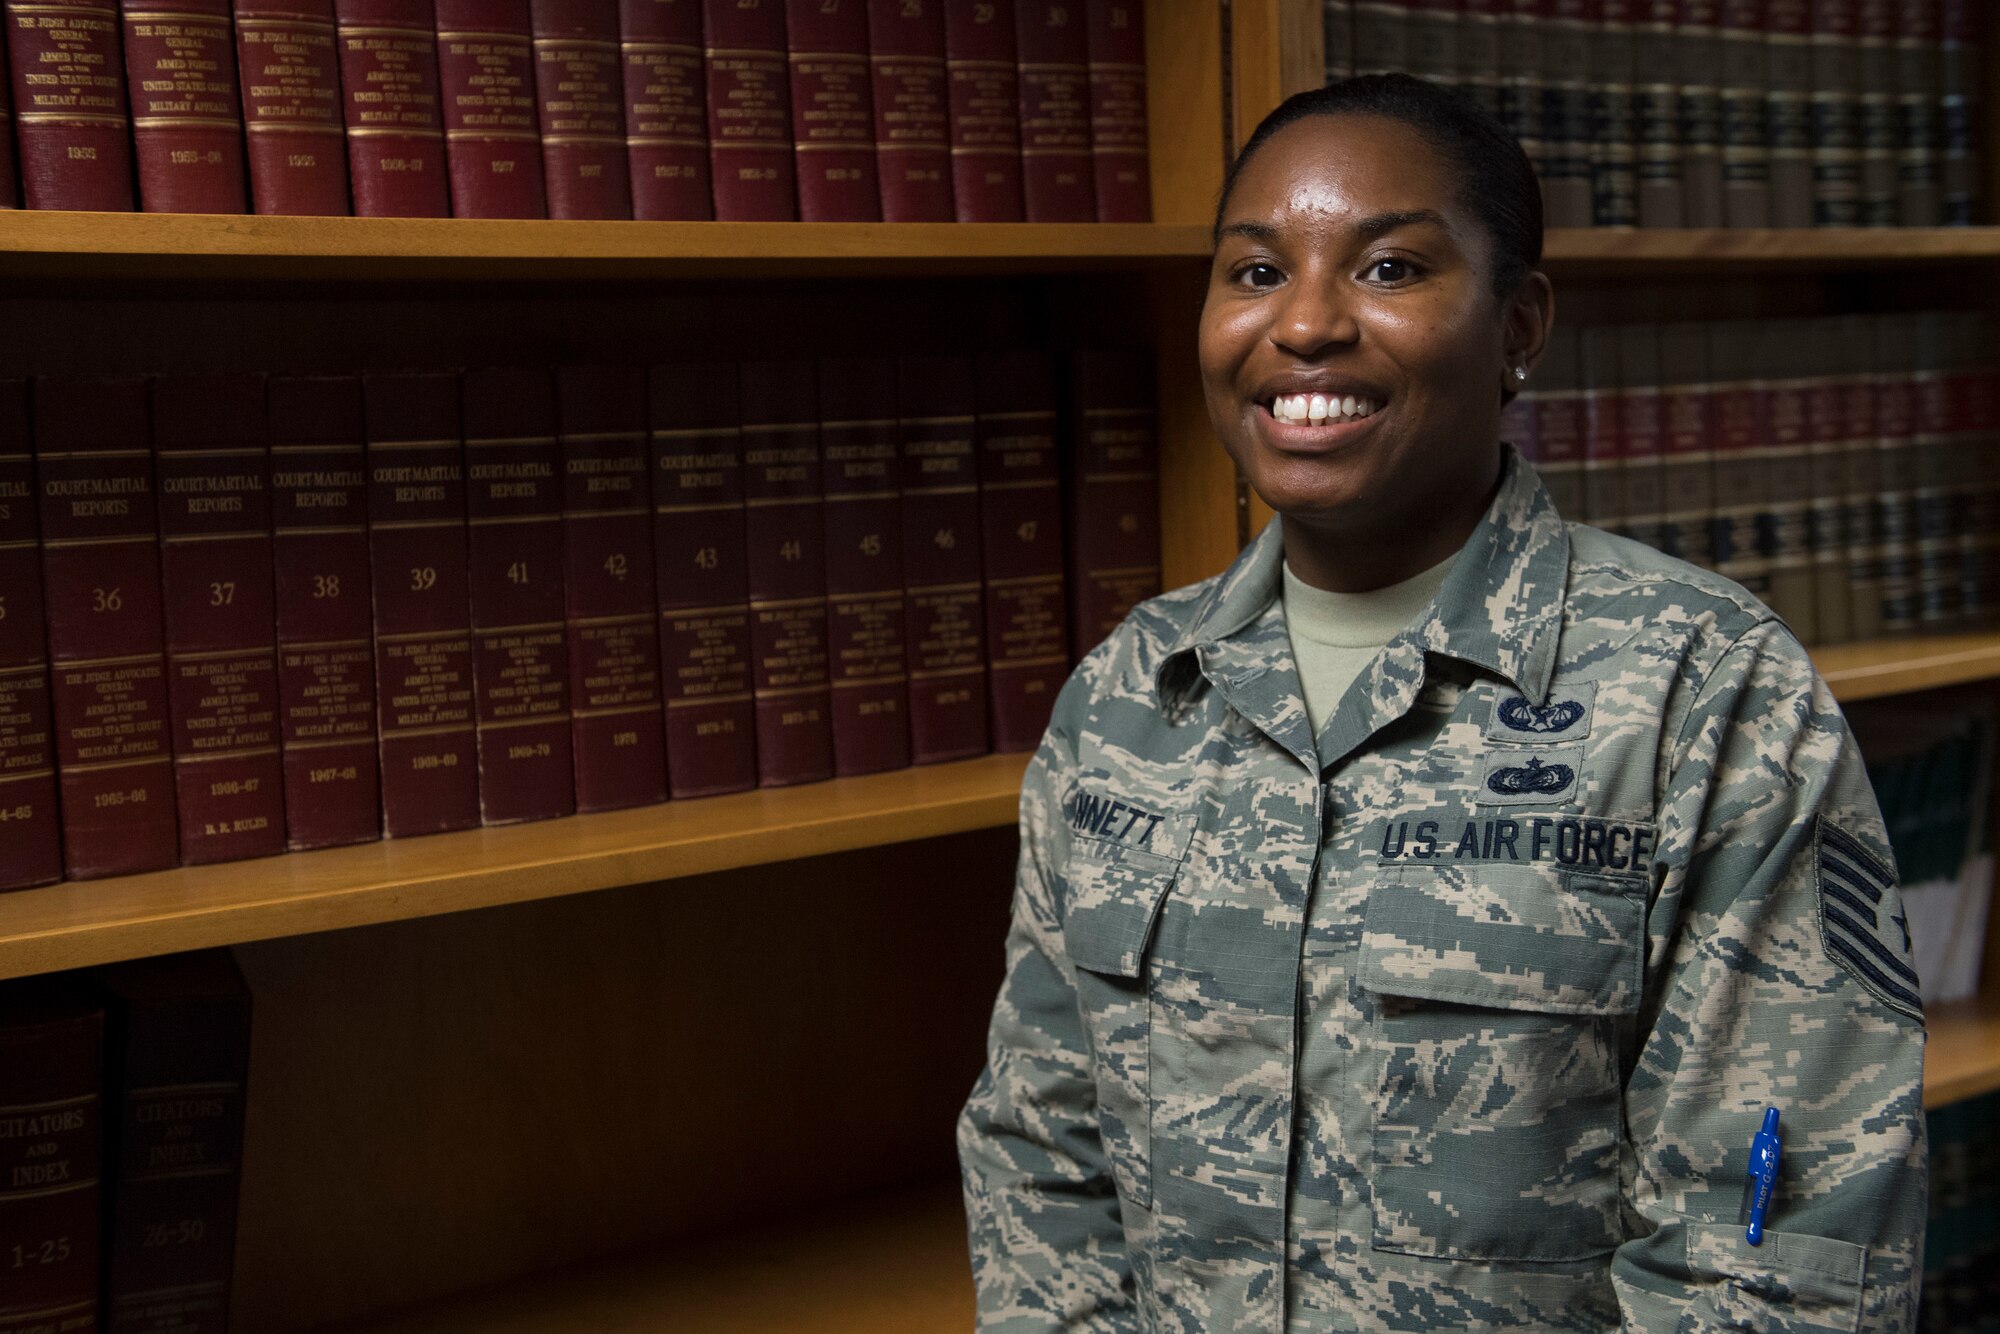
[1115, 893]
[1794, 1281]
[1510, 937]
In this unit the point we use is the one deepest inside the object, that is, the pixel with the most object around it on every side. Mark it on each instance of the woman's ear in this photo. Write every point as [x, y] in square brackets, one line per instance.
[1525, 323]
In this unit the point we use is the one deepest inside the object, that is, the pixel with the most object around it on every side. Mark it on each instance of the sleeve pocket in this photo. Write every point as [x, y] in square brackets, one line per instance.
[1792, 1284]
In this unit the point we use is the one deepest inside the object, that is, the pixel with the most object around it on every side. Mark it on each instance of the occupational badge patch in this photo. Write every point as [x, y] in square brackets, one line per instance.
[1861, 920]
[1564, 716]
[1541, 777]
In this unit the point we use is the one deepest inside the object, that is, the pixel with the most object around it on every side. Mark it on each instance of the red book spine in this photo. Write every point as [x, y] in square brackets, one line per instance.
[486, 82]
[614, 647]
[187, 124]
[31, 844]
[107, 658]
[1115, 502]
[291, 106]
[578, 74]
[514, 564]
[7, 195]
[423, 628]
[326, 645]
[1559, 431]
[1642, 425]
[912, 110]
[944, 626]
[395, 130]
[833, 119]
[787, 562]
[52, 1083]
[69, 105]
[1739, 462]
[749, 111]
[666, 121]
[1118, 145]
[703, 580]
[985, 88]
[1021, 543]
[864, 565]
[1058, 180]
[1603, 442]
[212, 465]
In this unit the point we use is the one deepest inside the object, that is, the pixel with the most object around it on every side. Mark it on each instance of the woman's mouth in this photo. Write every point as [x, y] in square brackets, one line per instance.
[1321, 409]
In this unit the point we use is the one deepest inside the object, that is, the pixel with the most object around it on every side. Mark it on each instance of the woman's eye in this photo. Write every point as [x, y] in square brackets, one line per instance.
[1392, 270]
[1258, 275]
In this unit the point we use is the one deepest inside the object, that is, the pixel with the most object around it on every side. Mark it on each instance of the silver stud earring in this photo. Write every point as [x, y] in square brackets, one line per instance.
[1520, 372]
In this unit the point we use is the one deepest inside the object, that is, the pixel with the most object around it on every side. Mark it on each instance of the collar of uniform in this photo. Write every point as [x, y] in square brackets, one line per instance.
[1500, 607]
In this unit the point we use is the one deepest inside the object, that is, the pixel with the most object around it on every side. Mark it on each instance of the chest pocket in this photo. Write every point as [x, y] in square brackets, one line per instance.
[1498, 994]
[1115, 893]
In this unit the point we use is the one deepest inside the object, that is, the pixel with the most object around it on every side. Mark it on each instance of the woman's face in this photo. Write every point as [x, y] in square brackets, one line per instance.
[1347, 270]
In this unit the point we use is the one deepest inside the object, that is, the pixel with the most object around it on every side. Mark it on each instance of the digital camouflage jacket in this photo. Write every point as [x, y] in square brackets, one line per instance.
[1463, 1013]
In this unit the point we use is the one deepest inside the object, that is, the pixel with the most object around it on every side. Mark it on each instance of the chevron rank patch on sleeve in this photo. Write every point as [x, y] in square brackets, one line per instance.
[1862, 921]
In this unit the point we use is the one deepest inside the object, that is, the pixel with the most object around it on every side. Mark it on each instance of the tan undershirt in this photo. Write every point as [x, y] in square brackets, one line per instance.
[1336, 635]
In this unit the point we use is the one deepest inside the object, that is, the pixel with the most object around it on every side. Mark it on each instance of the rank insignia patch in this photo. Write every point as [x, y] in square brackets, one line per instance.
[1862, 922]
[1520, 777]
[1565, 716]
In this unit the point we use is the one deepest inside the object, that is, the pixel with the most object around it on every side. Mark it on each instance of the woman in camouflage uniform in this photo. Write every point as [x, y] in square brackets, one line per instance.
[1414, 921]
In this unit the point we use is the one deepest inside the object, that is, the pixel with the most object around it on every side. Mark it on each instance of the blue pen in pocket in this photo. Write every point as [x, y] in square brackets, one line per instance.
[1762, 1180]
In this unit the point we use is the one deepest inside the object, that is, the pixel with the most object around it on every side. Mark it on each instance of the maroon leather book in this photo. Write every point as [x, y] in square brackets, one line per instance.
[187, 124]
[1559, 428]
[787, 563]
[30, 830]
[833, 119]
[1114, 530]
[291, 106]
[666, 120]
[703, 580]
[912, 110]
[614, 647]
[423, 628]
[579, 78]
[211, 462]
[1058, 180]
[514, 565]
[985, 87]
[395, 128]
[944, 626]
[8, 198]
[101, 595]
[864, 564]
[1021, 544]
[52, 1084]
[1118, 145]
[70, 112]
[486, 83]
[177, 1032]
[749, 111]
[326, 626]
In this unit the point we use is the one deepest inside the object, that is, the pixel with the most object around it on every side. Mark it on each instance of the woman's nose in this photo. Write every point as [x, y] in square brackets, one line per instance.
[1314, 315]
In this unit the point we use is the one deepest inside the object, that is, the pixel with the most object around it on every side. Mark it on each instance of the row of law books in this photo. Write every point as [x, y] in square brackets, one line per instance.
[1707, 113]
[121, 1132]
[246, 613]
[1840, 468]
[1961, 1291]
[739, 110]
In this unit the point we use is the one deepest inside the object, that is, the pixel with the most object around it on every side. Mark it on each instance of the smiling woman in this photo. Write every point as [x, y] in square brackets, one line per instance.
[1415, 923]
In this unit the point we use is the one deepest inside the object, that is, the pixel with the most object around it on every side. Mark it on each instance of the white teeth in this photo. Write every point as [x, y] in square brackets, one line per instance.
[1322, 407]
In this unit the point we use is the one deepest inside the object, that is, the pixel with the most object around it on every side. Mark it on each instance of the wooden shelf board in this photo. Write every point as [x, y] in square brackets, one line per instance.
[891, 1265]
[1820, 247]
[125, 246]
[1901, 663]
[1962, 1055]
[78, 923]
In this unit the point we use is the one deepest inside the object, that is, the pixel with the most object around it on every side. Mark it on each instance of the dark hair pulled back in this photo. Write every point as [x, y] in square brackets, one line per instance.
[1496, 182]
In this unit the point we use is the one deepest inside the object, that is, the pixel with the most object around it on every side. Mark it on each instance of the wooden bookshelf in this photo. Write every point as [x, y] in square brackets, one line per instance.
[895, 1264]
[1895, 665]
[154, 246]
[78, 923]
[1962, 1058]
[1581, 251]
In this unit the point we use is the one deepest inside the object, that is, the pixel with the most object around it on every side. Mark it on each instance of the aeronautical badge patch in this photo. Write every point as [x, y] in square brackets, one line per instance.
[1563, 716]
[1862, 923]
[1541, 777]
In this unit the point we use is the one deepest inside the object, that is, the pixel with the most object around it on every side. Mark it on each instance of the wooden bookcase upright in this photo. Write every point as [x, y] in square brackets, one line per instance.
[476, 1086]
